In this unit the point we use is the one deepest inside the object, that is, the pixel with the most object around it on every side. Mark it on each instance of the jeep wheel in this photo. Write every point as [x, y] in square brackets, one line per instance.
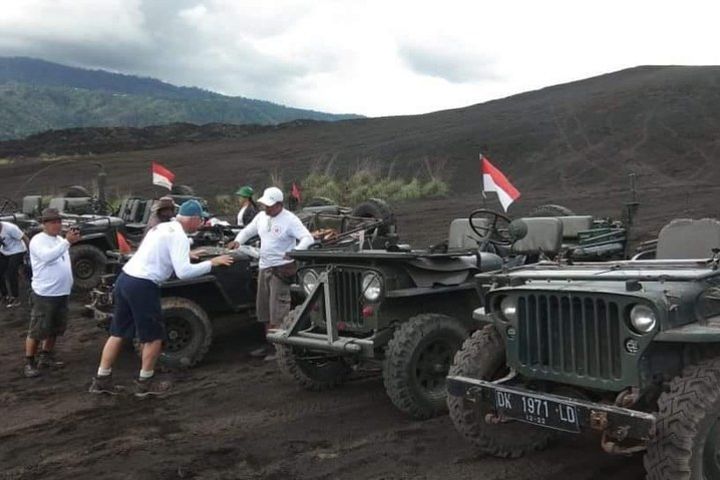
[376, 209]
[189, 333]
[483, 356]
[314, 371]
[686, 445]
[88, 265]
[417, 361]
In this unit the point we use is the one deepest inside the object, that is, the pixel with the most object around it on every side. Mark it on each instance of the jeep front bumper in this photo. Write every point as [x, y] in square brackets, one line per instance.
[553, 411]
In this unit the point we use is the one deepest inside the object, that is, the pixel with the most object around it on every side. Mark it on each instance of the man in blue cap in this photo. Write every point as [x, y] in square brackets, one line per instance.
[164, 250]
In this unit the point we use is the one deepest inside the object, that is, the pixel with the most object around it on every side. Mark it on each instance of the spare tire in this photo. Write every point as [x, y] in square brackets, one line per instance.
[379, 210]
[77, 191]
[182, 190]
[551, 210]
[319, 202]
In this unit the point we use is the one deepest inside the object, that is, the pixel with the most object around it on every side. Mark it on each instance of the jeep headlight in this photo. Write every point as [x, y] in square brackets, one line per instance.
[642, 318]
[508, 309]
[371, 286]
[309, 280]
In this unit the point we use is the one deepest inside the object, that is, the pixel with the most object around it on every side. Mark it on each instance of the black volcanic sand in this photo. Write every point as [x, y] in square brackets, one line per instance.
[236, 417]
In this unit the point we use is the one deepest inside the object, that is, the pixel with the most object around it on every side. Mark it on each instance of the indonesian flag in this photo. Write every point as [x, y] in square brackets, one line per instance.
[295, 192]
[162, 176]
[495, 181]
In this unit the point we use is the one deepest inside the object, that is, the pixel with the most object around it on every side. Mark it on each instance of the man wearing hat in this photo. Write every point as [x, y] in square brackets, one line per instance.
[162, 211]
[280, 232]
[51, 283]
[248, 209]
[138, 313]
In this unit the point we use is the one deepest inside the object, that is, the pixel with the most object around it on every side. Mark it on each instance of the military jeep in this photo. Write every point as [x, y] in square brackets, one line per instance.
[627, 349]
[405, 311]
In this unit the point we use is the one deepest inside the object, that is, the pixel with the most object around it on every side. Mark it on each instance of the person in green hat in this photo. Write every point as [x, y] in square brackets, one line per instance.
[248, 208]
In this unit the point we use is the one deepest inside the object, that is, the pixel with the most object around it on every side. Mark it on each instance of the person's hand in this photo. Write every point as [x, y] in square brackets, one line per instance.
[222, 260]
[233, 245]
[195, 254]
[73, 235]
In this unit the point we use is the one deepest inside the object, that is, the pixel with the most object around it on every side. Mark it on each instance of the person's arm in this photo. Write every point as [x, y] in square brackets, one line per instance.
[302, 235]
[180, 257]
[46, 253]
[248, 232]
[26, 241]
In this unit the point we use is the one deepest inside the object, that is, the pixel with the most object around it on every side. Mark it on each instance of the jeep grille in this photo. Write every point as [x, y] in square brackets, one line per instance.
[346, 296]
[570, 334]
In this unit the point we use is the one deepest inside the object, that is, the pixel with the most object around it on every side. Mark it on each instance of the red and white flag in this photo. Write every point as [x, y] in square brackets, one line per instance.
[495, 181]
[162, 176]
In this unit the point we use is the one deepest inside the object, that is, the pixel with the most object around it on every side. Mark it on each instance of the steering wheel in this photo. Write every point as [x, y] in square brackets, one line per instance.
[491, 233]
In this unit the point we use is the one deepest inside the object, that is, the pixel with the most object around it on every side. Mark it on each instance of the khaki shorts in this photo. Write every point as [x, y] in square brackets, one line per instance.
[273, 298]
[48, 317]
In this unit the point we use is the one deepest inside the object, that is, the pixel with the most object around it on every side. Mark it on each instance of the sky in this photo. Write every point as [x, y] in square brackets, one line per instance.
[375, 58]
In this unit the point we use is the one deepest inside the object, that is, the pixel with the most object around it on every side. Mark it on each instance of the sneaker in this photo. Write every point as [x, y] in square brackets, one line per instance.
[261, 352]
[12, 302]
[271, 354]
[31, 370]
[48, 360]
[103, 385]
[151, 387]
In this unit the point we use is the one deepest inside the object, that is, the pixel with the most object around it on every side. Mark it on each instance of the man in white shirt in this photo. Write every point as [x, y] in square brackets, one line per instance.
[280, 232]
[164, 250]
[13, 246]
[51, 284]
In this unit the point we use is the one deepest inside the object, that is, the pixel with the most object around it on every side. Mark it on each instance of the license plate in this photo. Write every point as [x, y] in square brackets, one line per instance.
[537, 410]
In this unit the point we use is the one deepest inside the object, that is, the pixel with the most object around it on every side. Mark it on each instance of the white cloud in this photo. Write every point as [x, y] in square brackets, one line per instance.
[371, 57]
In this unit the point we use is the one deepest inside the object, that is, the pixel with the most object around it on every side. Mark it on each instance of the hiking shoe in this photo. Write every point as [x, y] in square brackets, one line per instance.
[151, 387]
[12, 302]
[48, 360]
[261, 352]
[103, 384]
[31, 370]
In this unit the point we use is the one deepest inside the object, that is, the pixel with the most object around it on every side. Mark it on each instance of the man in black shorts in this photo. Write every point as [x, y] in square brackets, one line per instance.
[164, 251]
[51, 284]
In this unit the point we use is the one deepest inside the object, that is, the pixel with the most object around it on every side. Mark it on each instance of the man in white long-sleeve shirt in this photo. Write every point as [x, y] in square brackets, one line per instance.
[138, 313]
[280, 232]
[51, 284]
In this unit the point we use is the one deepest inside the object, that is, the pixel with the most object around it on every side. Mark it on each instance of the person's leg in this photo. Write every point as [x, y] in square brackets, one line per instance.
[57, 313]
[4, 263]
[147, 312]
[150, 353]
[12, 274]
[121, 328]
[279, 301]
[37, 332]
[262, 306]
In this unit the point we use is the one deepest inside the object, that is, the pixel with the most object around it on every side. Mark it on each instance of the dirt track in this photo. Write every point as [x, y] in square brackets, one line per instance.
[235, 417]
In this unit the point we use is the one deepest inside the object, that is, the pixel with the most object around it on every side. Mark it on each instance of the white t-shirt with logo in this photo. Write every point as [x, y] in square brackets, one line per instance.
[11, 239]
[164, 250]
[278, 235]
[51, 267]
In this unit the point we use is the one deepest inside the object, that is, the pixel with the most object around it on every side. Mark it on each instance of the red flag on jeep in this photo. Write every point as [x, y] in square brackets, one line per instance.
[162, 176]
[295, 192]
[495, 181]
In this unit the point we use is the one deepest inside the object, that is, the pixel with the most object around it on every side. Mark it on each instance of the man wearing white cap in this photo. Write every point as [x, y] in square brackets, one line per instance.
[280, 232]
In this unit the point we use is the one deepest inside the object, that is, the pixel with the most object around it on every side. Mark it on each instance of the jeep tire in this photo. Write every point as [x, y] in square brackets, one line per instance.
[483, 357]
[88, 266]
[189, 333]
[316, 375]
[377, 209]
[417, 361]
[686, 445]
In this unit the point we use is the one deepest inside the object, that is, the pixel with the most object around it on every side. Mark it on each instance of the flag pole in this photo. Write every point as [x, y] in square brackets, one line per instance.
[482, 182]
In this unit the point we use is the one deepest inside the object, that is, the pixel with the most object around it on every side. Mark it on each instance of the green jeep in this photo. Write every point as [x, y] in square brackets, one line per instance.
[400, 310]
[627, 349]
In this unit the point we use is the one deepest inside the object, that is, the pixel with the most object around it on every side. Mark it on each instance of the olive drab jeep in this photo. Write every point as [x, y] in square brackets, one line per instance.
[402, 310]
[627, 349]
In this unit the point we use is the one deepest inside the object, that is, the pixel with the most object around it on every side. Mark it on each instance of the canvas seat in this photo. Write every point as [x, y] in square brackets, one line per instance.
[537, 235]
[461, 236]
[685, 238]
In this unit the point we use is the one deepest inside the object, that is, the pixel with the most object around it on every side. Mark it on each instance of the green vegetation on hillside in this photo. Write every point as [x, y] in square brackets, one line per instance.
[36, 95]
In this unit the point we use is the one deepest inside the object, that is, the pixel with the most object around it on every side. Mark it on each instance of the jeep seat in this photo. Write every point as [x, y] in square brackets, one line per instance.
[461, 236]
[574, 224]
[543, 235]
[686, 238]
